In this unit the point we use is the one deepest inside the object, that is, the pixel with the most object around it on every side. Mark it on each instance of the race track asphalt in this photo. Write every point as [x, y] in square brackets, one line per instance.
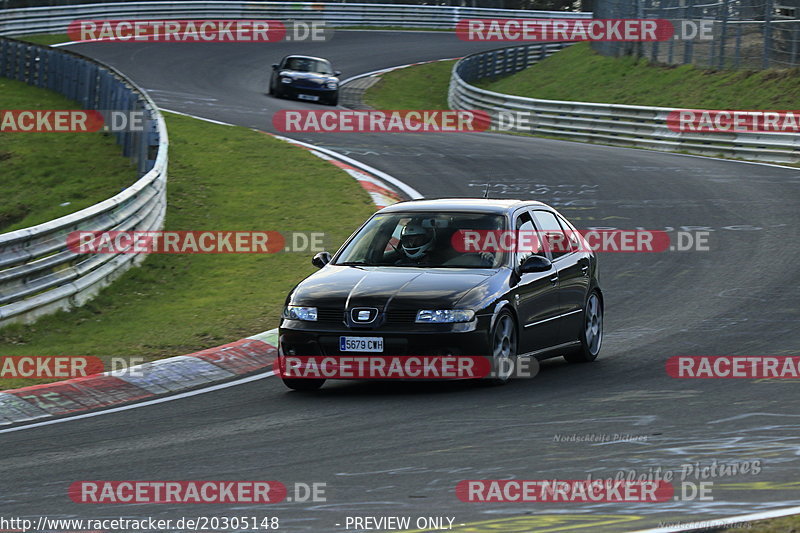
[400, 449]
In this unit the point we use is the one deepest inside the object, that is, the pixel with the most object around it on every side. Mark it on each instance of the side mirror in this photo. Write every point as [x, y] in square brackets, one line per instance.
[535, 263]
[321, 259]
[274, 66]
[337, 73]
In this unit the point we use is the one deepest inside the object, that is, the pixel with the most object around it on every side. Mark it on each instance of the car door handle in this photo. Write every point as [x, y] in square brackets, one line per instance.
[554, 279]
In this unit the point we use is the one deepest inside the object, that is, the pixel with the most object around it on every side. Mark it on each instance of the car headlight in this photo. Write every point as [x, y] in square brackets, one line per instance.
[286, 80]
[445, 315]
[332, 85]
[296, 312]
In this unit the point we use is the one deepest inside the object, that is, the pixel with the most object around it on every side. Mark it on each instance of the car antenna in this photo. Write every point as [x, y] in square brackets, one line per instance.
[486, 192]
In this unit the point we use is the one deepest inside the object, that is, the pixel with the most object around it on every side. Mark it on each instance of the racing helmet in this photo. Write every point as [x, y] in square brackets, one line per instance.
[416, 240]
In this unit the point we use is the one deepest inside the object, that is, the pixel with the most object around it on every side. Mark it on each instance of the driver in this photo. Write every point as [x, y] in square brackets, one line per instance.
[416, 244]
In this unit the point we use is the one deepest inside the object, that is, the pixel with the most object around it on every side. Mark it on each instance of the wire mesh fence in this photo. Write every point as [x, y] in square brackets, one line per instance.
[741, 34]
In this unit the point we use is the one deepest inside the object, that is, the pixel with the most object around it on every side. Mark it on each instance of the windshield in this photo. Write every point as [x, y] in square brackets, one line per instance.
[419, 239]
[304, 64]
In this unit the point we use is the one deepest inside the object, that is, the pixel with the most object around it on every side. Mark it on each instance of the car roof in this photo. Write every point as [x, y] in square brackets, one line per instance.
[478, 205]
[305, 57]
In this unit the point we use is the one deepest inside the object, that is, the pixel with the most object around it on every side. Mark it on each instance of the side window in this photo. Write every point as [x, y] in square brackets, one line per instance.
[553, 235]
[524, 223]
[574, 237]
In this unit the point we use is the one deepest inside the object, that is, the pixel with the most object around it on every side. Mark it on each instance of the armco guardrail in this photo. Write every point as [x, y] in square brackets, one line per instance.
[57, 18]
[38, 273]
[628, 125]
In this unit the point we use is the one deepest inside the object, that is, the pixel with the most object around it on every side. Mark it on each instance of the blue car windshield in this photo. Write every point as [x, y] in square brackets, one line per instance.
[423, 239]
[302, 64]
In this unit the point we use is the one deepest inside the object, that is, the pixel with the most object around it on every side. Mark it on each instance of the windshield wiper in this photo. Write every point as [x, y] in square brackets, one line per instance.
[353, 263]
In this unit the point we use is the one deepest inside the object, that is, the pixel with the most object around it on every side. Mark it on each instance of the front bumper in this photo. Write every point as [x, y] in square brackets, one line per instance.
[323, 93]
[302, 338]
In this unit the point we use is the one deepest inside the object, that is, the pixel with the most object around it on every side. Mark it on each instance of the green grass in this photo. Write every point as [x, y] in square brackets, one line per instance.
[577, 73]
[418, 87]
[220, 178]
[46, 39]
[41, 171]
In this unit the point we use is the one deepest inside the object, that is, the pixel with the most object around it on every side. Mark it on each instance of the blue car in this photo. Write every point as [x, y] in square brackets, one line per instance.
[305, 78]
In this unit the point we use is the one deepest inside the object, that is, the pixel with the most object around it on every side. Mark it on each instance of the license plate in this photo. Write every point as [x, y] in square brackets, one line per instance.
[361, 344]
[311, 97]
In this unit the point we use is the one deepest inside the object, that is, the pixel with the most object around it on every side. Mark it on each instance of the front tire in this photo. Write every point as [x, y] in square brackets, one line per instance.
[333, 100]
[591, 335]
[304, 384]
[504, 348]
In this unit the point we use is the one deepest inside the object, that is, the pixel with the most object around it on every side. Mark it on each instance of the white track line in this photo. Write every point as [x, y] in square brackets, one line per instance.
[195, 116]
[154, 401]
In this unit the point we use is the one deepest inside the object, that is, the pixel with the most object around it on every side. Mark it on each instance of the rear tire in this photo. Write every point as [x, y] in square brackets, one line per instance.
[304, 384]
[591, 335]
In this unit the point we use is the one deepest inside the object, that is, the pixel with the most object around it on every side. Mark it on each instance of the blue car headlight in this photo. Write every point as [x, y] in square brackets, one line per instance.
[332, 85]
[286, 80]
[438, 316]
[296, 312]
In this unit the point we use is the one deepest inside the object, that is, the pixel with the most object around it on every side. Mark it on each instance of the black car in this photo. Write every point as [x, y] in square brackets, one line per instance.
[305, 78]
[400, 281]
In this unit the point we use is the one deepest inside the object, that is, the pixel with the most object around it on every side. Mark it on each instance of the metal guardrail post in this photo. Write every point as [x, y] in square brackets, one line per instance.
[723, 33]
[767, 34]
[688, 47]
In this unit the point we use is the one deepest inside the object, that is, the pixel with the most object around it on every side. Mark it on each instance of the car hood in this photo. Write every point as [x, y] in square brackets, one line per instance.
[386, 288]
[308, 76]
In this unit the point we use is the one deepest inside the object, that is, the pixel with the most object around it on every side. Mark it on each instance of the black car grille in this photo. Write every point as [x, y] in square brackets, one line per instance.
[401, 317]
[335, 316]
[330, 316]
[302, 84]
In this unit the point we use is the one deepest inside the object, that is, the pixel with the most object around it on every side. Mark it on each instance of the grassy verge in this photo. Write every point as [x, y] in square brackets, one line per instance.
[46, 39]
[577, 73]
[221, 178]
[418, 87]
[48, 175]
